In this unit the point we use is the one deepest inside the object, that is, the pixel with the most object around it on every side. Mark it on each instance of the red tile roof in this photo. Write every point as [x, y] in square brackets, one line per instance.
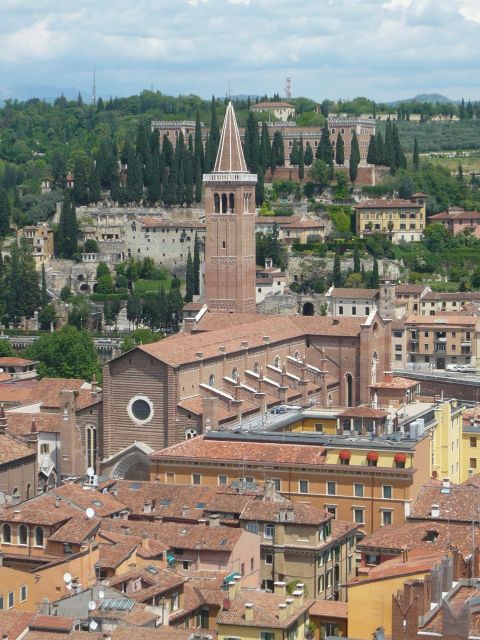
[340, 292]
[265, 611]
[387, 204]
[76, 530]
[103, 504]
[259, 452]
[112, 555]
[13, 451]
[7, 361]
[363, 412]
[151, 221]
[418, 561]
[461, 503]
[329, 609]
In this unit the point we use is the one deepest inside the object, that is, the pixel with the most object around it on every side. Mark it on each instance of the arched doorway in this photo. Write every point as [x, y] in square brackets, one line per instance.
[349, 389]
[308, 309]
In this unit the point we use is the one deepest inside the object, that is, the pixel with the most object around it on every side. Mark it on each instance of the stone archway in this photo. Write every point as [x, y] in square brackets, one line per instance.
[132, 466]
[308, 309]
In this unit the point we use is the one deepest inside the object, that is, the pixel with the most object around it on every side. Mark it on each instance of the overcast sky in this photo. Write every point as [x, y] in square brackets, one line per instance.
[384, 49]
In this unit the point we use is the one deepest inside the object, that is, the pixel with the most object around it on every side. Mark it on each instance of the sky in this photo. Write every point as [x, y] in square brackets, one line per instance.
[382, 49]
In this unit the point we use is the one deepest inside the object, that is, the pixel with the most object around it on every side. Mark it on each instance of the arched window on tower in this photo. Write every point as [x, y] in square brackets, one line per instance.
[216, 202]
[231, 203]
[245, 203]
[91, 441]
[224, 203]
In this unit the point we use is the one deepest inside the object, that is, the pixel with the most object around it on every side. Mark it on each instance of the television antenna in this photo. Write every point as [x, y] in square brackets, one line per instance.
[288, 87]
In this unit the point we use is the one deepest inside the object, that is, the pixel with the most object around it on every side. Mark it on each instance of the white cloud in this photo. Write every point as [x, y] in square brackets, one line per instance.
[382, 48]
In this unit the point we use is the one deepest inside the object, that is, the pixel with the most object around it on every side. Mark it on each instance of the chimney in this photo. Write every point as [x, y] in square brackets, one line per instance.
[222, 348]
[244, 344]
[446, 483]
[280, 588]
[214, 520]
[185, 510]
[199, 355]
[282, 612]
[33, 427]
[57, 502]
[289, 603]
[107, 636]
[232, 590]
[435, 511]
[388, 376]
[300, 591]
[266, 339]
[94, 389]
[145, 542]
[3, 420]
[238, 586]
[298, 598]
[248, 612]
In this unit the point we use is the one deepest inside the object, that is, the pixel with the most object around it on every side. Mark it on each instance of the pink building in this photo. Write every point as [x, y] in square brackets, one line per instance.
[456, 219]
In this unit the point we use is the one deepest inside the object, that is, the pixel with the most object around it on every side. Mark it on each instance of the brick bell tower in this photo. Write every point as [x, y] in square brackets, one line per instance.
[230, 226]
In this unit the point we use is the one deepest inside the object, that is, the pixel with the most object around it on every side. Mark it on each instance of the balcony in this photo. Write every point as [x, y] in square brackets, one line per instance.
[440, 339]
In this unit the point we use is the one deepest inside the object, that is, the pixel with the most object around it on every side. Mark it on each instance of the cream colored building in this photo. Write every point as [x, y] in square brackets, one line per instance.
[40, 239]
[281, 110]
[397, 219]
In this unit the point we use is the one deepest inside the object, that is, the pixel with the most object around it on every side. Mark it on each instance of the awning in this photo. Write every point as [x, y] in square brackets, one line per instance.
[400, 457]
[231, 577]
[345, 454]
[170, 558]
[372, 456]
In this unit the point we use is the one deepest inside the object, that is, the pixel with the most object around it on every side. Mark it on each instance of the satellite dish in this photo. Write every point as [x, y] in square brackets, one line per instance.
[92, 605]
[89, 512]
[69, 586]
[101, 594]
[67, 577]
[93, 625]
[90, 471]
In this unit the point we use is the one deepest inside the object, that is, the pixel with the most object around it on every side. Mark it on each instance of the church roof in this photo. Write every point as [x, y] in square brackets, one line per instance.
[230, 157]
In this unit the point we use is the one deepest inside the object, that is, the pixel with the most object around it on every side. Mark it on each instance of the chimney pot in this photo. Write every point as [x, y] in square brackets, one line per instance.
[280, 588]
[222, 348]
[282, 611]
[248, 611]
[266, 339]
[289, 605]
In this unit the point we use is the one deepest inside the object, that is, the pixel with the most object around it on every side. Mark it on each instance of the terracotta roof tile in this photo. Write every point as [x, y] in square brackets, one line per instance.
[13, 623]
[76, 530]
[456, 602]
[112, 555]
[156, 581]
[21, 423]
[265, 611]
[10, 361]
[42, 509]
[461, 503]
[418, 561]
[11, 450]
[410, 288]
[268, 511]
[340, 292]
[52, 623]
[387, 204]
[329, 609]
[396, 383]
[363, 411]
[449, 320]
[103, 504]
[262, 452]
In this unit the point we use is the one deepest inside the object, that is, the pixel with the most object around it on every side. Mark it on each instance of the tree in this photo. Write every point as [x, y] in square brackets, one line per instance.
[354, 281]
[80, 182]
[337, 278]
[278, 151]
[67, 230]
[47, 316]
[265, 148]
[65, 293]
[134, 178]
[354, 158]
[94, 186]
[199, 159]
[356, 259]
[6, 350]
[134, 308]
[260, 188]
[319, 173]
[416, 158]
[301, 160]
[67, 353]
[22, 292]
[138, 337]
[374, 280]
[44, 297]
[372, 150]
[196, 265]
[308, 156]
[213, 139]
[90, 246]
[340, 151]
[325, 150]
[5, 213]
[295, 154]
[189, 279]
[252, 145]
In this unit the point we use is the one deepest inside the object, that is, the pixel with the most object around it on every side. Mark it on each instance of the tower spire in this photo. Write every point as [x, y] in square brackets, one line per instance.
[230, 158]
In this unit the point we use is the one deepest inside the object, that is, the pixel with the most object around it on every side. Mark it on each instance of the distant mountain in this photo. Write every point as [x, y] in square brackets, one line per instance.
[43, 92]
[425, 97]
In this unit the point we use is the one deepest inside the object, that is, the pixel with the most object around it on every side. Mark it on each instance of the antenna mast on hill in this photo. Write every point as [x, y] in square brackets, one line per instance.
[288, 88]
[94, 90]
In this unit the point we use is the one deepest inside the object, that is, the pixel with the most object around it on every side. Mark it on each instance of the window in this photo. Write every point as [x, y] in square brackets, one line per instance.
[276, 362]
[11, 600]
[23, 593]
[319, 427]
[252, 564]
[7, 534]
[473, 463]
[2, 605]
[211, 380]
[331, 509]
[268, 558]
[358, 490]
[22, 535]
[140, 409]
[268, 531]
[235, 374]
[44, 448]
[196, 478]
[372, 559]
[331, 488]
[242, 569]
[267, 635]
[303, 486]
[358, 515]
[367, 311]
[277, 483]
[321, 584]
[340, 311]
[349, 564]
[398, 347]
[329, 579]
[222, 480]
[174, 601]
[473, 442]
[387, 517]
[387, 491]
[38, 537]
[252, 527]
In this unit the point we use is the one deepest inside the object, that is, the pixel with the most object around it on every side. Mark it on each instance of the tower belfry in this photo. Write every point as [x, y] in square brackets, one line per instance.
[230, 226]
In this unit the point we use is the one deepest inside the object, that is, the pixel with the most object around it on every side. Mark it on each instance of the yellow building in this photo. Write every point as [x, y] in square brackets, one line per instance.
[397, 219]
[370, 599]
[447, 442]
[40, 239]
[250, 614]
[470, 443]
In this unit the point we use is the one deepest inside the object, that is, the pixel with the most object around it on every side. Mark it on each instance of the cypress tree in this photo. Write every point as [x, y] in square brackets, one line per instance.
[4, 214]
[189, 167]
[134, 178]
[278, 150]
[337, 271]
[199, 159]
[375, 280]
[67, 231]
[356, 259]
[301, 160]
[154, 191]
[168, 151]
[380, 149]
[389, 156]
[462, 110]
[265, 148]
[400, 160]
[308, 155]
[94, 193]
[252, 143]
[44, 298]
[325, 150]
[295, 154]
[372, 151]
[196, 265]
[23, 292]
[213, 138]
[80, 182]
[169, 192]
[260, 188]
[416, 157]
[189, 279]
[340, 151]
[354, 158]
